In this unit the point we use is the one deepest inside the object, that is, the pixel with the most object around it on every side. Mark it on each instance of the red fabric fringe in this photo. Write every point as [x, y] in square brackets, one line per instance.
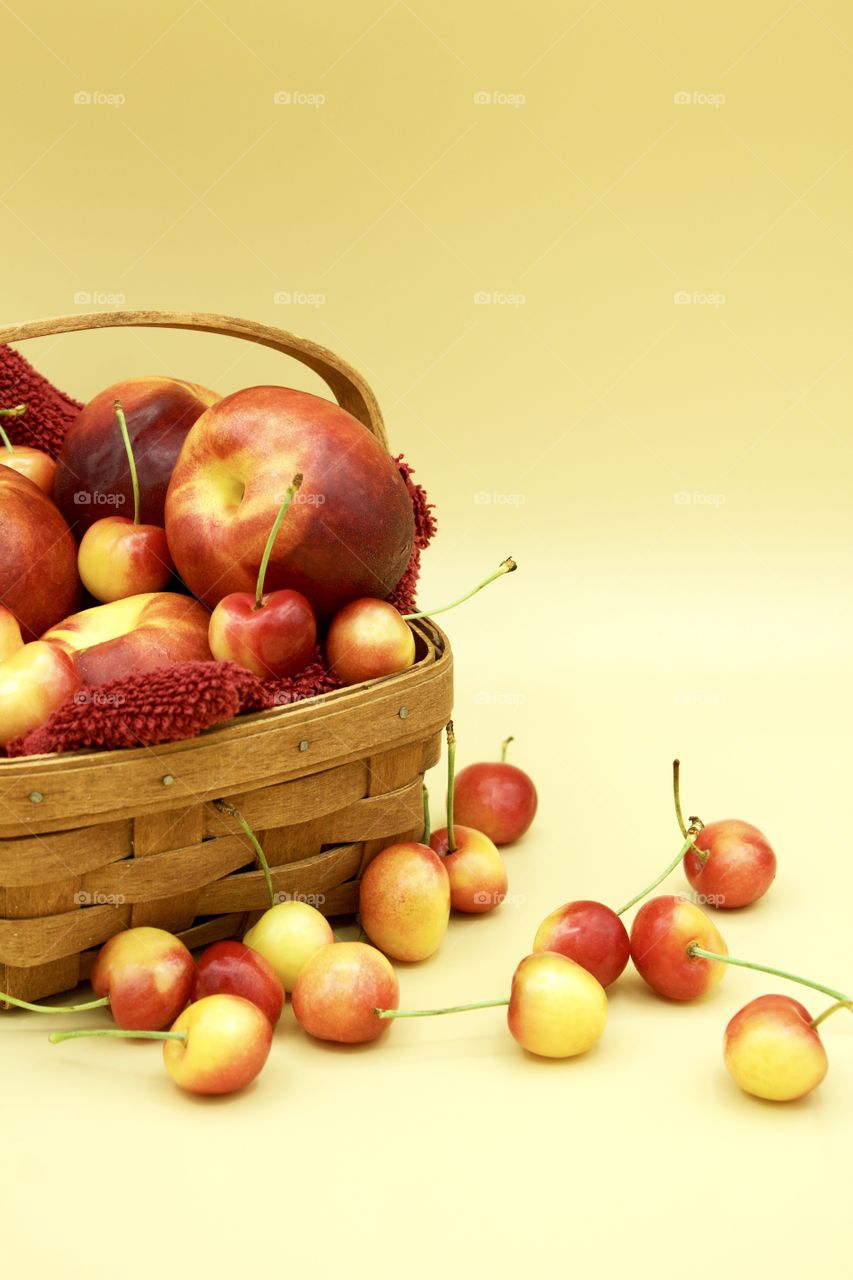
[182, 700]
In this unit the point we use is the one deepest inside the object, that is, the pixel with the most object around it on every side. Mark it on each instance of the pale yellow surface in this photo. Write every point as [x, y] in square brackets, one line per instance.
[639, 626]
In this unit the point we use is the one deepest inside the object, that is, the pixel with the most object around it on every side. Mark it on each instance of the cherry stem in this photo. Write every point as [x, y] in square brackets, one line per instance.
[235, 813]
[427, 828]
[10, 412]
[504, 746]
[58, 1008]
[131, 461]
[432, 1013]
[451, 773]
[265, 558]
[507, 566]
[833, 1008]
[695, 823]
[695, 950]
[663, 875]
[84, 1033]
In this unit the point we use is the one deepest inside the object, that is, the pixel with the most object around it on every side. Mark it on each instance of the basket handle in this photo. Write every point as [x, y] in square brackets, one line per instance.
[348, 387]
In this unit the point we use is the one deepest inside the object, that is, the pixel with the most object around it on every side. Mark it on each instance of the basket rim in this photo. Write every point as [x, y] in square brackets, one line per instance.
[437, 655]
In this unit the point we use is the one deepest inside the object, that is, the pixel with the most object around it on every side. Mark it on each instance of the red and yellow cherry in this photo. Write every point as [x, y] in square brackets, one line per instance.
[557, 1009]
[11, 639]
[496, 797]
[287, 936]
[147, 974]
[35, 679]
[735, 864]
[218, 1045]
[730, 863]
[119, 557]
[589, 933]
[32, 463]
[772, 1049]
[272, 634]
[478, 878]
[664, 932]
[404, 901]
[232, 968]
[339, 991]
[369, 638]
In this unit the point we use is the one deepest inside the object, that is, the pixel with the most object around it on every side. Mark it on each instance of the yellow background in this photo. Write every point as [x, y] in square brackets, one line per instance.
[674, 480]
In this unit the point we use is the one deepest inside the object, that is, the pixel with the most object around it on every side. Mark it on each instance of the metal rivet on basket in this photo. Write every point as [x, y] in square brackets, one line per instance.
[167, 780]
[303, 746]
[403, 712]
[35, 797]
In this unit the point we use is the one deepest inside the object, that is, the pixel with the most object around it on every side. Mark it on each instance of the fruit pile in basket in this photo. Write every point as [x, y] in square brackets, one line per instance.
[263, 546]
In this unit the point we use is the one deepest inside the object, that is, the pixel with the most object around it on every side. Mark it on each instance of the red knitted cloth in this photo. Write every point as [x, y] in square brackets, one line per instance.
[182, 700]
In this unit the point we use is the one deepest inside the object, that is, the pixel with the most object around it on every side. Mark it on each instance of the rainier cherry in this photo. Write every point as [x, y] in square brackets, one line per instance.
[270, 635]
[119, 557]
[32, 463]
[495, 797]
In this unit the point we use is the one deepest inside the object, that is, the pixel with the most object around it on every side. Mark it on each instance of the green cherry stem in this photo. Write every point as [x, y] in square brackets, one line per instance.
[663, 875]
[58, 1008]
[504, 746]
[696, 824]
[427, 828]
[451, 772]
[695, 950]
[833, 1008]
[10, 413]
[265, 558]
[224, 807]
[506, 566]
[433, 1013]
[86, 1032]
[131, 461]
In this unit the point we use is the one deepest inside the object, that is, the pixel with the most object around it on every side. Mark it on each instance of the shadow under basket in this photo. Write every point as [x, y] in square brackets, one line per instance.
[95, 842]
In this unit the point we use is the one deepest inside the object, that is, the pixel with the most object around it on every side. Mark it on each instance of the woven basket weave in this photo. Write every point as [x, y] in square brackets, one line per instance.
[95, 842]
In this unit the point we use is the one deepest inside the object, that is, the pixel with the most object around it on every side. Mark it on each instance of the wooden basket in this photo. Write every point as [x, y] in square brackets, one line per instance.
[95, 842]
